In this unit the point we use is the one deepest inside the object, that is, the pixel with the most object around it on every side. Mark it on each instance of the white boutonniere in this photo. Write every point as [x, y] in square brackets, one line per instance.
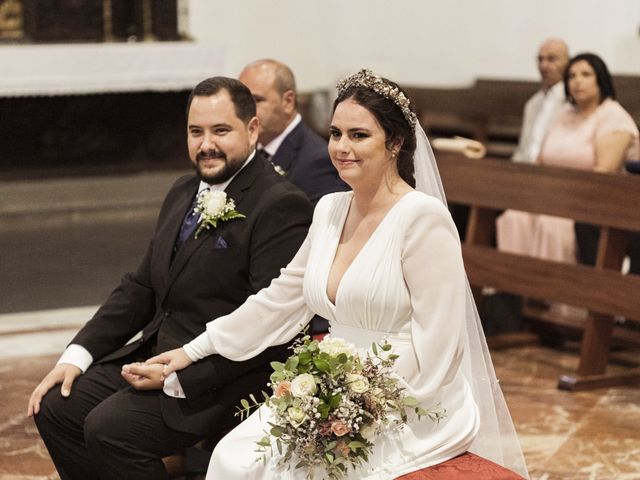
[214, 207]
[279, 170]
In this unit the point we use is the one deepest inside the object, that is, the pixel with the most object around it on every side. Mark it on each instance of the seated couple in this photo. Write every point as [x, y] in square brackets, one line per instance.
[380, 262]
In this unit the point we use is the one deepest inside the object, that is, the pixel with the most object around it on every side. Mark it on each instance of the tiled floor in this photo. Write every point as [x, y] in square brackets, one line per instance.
[592, 435]
[22, 453]
[586, 435]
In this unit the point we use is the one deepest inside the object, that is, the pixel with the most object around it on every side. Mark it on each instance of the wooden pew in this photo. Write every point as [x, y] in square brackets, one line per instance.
[489, 111]
[490, 186]
[628, 94]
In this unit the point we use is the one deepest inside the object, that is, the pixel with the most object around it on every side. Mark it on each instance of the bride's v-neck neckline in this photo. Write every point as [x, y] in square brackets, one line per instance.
[343, 220]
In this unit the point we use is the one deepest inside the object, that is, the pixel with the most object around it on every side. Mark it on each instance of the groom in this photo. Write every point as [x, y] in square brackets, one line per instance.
[94, 424]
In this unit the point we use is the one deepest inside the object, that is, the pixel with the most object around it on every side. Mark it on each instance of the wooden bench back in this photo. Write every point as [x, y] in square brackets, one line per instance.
[628, 94]
[612, 202]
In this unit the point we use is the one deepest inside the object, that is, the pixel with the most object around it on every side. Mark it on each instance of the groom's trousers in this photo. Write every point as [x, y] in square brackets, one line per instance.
[105, 429]
[108, 430]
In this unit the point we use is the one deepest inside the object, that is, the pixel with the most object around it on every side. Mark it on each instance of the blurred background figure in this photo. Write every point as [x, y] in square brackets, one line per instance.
[541, 107]
[591, 132]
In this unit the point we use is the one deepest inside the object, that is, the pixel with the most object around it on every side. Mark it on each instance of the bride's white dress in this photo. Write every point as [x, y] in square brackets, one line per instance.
[407, 284]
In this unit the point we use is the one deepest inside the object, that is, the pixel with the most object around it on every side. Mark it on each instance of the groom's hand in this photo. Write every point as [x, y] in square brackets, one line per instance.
[63, 373]
[144, 377]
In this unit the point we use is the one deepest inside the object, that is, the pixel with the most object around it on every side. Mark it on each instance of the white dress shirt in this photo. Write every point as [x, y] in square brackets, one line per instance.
[272, 147]
[538, 112]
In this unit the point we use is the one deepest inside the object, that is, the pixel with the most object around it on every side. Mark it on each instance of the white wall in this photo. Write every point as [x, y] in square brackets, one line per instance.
[415, 42]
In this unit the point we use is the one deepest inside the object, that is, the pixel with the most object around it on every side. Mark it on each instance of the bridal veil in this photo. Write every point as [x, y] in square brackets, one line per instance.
[496, 439]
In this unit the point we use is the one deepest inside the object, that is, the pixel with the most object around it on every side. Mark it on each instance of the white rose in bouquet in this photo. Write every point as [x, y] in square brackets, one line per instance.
[304, 385]
[336, 346]
[296, 416]
[369, 430]
[357, 383]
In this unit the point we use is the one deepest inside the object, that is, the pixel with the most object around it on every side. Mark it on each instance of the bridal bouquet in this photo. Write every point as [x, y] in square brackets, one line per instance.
[329, 403]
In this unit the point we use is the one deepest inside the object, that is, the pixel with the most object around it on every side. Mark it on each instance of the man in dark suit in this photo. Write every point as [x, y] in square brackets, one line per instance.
[93, 422]
[295, 149]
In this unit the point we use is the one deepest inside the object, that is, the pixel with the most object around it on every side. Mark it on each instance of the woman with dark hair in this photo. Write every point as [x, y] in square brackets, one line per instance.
[381, 262]
[591, 132]
[601, 72]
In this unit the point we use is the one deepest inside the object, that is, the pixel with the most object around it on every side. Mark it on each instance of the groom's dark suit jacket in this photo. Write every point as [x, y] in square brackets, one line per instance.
[172, 300]
[304, 156]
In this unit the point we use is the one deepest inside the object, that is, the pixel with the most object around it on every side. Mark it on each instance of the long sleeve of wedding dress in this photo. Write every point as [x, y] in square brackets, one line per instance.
[433, 271]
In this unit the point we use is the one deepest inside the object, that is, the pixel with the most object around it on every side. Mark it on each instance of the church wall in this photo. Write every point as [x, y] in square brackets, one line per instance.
[417, 42]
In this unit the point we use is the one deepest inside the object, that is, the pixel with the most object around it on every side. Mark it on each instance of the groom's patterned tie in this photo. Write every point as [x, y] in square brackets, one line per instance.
[189, 223]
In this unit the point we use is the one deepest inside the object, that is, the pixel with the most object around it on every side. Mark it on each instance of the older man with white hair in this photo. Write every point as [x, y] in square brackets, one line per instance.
[541, 107]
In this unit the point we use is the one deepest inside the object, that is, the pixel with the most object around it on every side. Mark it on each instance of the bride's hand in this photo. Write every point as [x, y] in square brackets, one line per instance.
[173, 360]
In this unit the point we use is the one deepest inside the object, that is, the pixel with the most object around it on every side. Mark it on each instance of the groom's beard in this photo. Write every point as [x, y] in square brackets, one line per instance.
[221, 174]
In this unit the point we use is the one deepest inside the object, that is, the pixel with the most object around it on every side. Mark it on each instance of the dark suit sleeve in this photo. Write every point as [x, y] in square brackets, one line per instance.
[278, 234]
[128, 309]
[313, 170]
[326, 179]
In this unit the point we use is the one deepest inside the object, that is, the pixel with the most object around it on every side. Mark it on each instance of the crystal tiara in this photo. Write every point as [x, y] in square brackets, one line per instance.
[365, 78]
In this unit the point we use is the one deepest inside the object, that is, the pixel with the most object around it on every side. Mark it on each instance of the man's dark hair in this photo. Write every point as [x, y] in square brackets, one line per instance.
[244, 104]
[603, 77]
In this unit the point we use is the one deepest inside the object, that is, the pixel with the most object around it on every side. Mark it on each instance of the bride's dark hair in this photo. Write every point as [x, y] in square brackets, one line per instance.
[393, 122]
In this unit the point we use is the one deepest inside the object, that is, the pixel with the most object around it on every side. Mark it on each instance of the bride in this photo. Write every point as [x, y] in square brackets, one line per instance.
[380, 262]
